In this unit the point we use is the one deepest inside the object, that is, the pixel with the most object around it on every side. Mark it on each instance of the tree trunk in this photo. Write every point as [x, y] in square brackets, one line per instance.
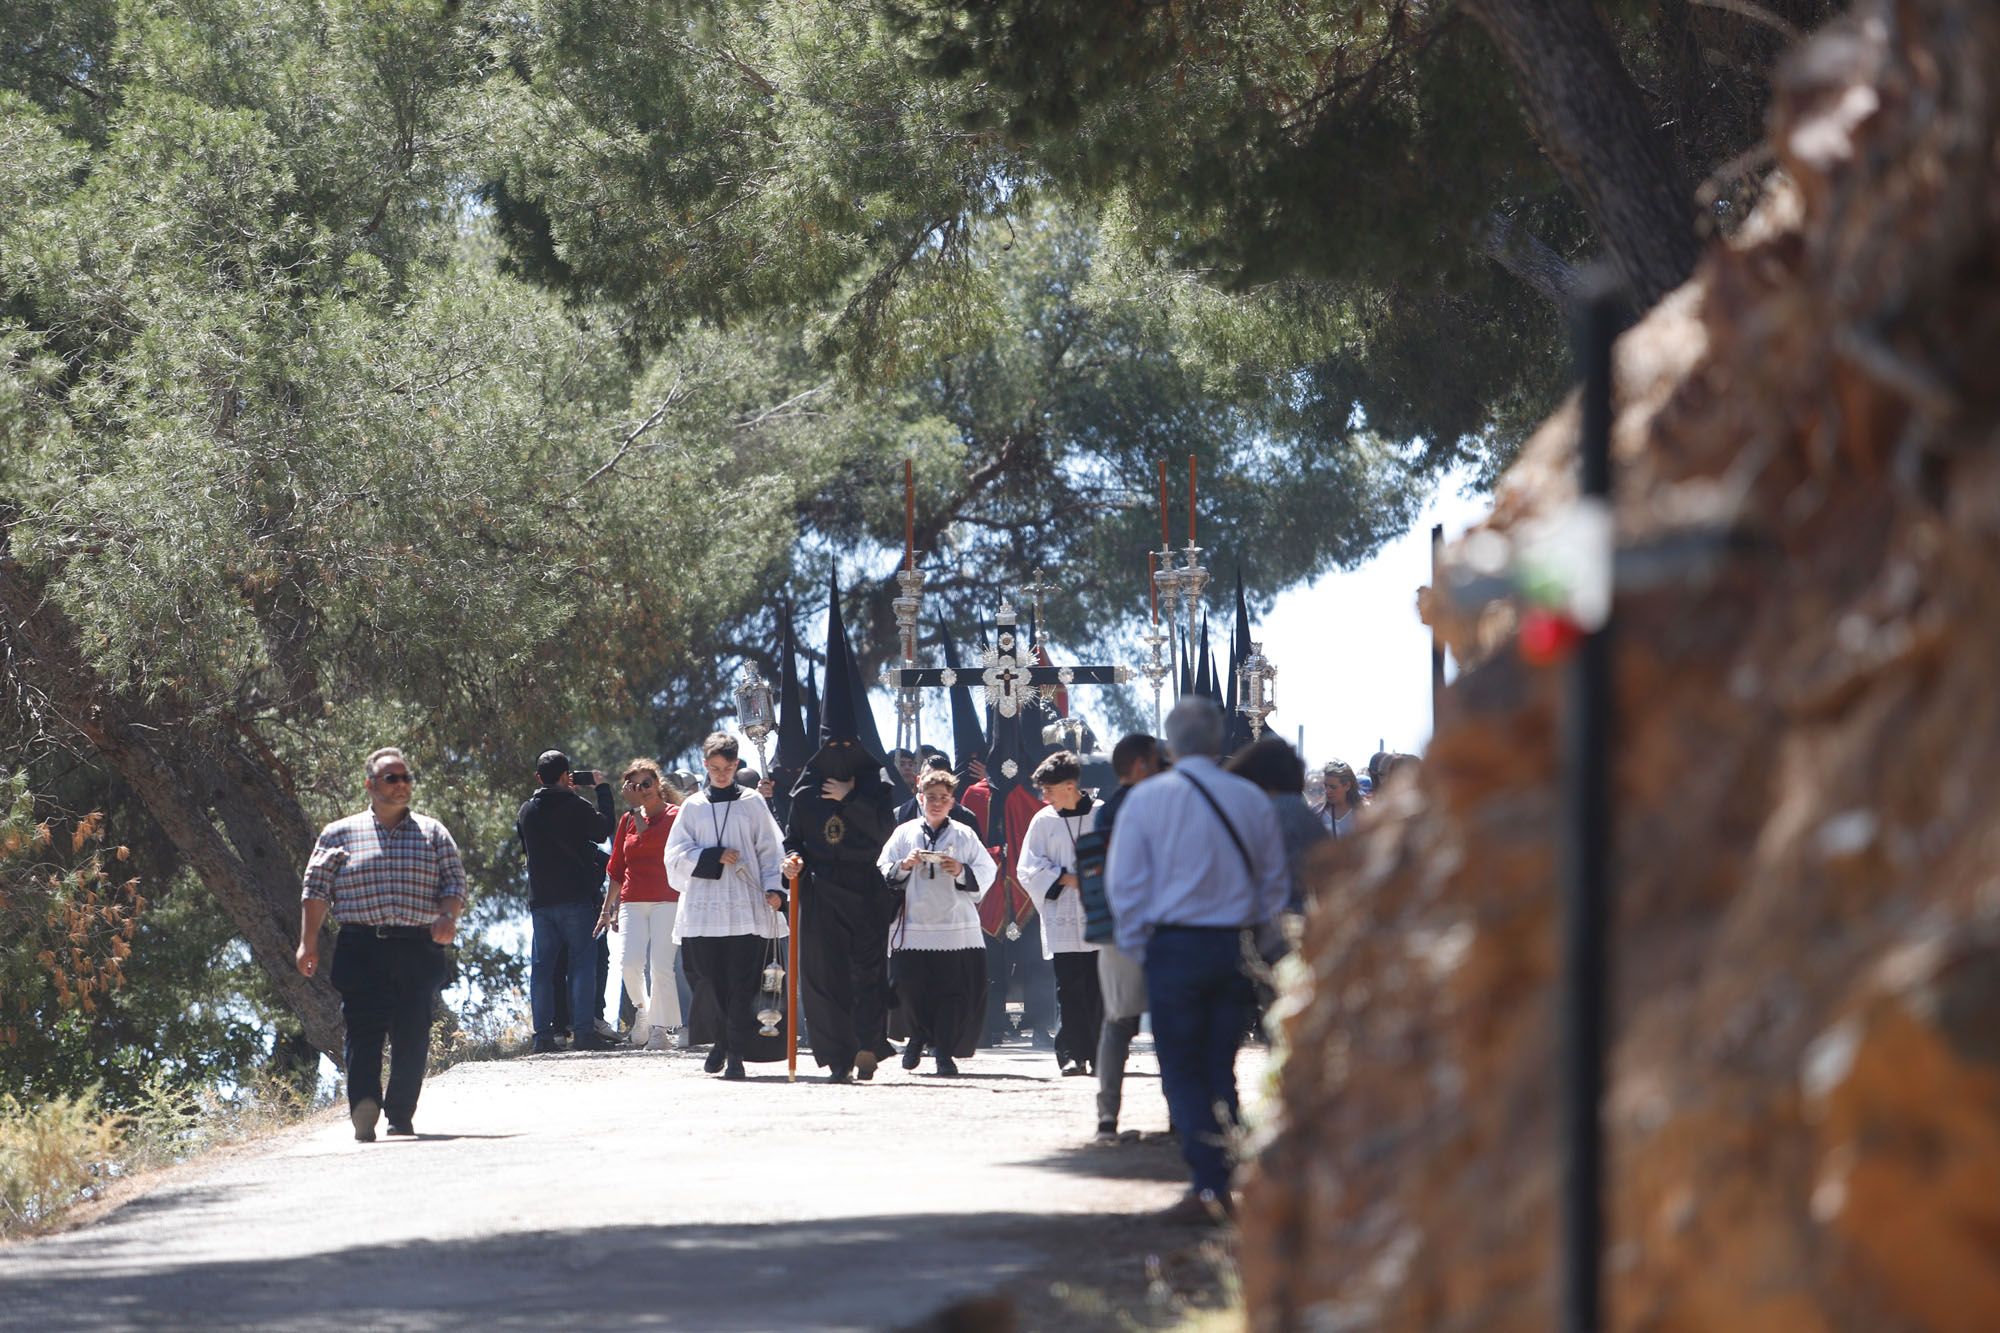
[186, 785]
[1592, 122]
[1528, 258]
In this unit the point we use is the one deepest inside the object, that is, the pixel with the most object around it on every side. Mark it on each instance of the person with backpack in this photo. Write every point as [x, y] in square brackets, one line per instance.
[1122, 981]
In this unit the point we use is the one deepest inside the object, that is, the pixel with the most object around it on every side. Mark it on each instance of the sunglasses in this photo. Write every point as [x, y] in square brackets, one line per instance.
[395, 777]
[646, 785]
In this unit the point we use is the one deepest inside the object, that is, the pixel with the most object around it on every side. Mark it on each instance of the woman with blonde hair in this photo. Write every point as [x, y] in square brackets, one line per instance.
[641, 905]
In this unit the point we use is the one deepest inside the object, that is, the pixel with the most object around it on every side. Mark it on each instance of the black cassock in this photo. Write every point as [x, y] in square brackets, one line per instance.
[844, 912]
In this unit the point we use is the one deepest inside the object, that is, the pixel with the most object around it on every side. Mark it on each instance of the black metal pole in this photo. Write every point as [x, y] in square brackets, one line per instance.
[1437, 643]
[1586, 867]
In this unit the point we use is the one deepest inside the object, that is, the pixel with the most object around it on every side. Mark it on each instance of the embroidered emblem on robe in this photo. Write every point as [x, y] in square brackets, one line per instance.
[835, 831]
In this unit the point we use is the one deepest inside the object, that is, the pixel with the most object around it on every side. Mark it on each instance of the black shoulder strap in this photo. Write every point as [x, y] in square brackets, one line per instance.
[1234, 836]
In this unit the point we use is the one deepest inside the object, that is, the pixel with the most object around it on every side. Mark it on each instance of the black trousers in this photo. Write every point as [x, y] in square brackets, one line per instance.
[844, 962]
[1080, 998]
[730, 969]
[943, 993]
[388, 991]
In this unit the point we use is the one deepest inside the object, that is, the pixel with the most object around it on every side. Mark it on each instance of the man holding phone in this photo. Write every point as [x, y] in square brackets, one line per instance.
[561, 831]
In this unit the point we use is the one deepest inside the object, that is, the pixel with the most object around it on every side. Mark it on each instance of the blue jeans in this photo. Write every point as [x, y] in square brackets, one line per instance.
[1200, 1000]
[561, 930]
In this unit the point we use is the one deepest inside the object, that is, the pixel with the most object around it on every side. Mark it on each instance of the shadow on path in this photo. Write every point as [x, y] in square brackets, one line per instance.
[721, 1277]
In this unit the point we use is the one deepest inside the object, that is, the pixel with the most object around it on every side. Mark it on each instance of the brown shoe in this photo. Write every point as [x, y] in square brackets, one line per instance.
[864, 1064]
[1203, 1209]
[363, 1115]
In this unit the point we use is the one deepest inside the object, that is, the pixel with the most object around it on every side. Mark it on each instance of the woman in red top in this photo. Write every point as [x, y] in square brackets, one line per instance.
[641, 907]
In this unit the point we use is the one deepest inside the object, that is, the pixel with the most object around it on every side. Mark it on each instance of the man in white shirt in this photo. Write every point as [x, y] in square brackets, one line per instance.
[1197, 863]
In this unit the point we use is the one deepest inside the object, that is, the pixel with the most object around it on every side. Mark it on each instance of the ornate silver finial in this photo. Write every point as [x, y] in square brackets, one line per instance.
[1255, 677]
[756, 711]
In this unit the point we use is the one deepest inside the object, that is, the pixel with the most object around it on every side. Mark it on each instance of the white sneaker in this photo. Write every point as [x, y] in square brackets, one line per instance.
[636, 1038]
[683, 1039]
[658, 1041]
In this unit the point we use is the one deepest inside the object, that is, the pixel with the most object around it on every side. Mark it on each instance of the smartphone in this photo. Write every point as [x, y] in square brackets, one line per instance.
[583, 777]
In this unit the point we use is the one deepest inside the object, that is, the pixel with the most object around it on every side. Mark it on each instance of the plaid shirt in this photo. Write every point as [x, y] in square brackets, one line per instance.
[377, 876]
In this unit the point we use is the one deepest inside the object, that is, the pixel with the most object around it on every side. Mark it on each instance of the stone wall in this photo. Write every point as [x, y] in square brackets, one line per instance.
[1804, 1117]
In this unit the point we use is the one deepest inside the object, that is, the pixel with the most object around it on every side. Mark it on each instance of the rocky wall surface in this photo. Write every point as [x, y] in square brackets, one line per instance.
[1804, 1112]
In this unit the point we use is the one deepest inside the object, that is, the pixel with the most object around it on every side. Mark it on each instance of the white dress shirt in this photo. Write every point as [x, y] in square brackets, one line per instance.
[1173, 863]
[1048, 852]
[734, 904]
[937, 914]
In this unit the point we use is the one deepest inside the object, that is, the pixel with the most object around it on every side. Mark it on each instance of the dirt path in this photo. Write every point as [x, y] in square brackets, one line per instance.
[630, 1190]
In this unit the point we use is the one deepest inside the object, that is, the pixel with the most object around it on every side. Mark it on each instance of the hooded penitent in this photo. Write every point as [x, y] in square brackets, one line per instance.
[968, 736]
[844, 751]
[1239, 652]
[794, 746]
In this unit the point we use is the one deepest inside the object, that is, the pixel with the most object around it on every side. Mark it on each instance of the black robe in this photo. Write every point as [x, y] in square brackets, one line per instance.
[845, 908]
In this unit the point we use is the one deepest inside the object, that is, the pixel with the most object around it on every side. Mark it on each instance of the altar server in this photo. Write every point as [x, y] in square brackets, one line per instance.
[939, 962]
[723, 856]
[1047, 870]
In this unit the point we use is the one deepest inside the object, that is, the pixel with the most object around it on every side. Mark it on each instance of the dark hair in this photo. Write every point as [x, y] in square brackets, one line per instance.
[1131, 750]
[938, 762]
[1058, 767]
[1272, 764]
[551, 766]
[718, 743]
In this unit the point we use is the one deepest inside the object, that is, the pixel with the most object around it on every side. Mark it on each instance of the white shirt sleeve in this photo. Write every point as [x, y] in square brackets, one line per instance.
[900, 844]
[984, 871]
[682, 850]
[1037, 868]
[767, 844]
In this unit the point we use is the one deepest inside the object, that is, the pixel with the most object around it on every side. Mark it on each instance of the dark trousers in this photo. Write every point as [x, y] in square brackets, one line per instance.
[563, 1022]
[843, 962]
[1200, 1000]
[388, 991]
[730, 968]
[1080, 1002]
[563, 933]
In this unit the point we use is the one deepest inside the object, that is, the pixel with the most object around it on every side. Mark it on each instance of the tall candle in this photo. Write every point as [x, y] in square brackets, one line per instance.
[1190, 499]
[1166, 538]
[910, 513]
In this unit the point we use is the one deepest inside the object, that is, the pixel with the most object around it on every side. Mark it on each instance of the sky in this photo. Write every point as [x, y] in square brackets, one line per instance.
[1353, 660]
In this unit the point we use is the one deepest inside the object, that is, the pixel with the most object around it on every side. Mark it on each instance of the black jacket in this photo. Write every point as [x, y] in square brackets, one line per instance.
[560, 830]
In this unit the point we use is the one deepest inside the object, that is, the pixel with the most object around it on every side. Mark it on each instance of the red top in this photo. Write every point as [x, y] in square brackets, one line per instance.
[639, 858]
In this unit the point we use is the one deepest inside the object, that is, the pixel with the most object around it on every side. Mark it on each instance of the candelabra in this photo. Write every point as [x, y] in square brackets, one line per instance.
[1158, 666]
[1193, 578]
[909, 701]
[756, 711]
[1255, 677]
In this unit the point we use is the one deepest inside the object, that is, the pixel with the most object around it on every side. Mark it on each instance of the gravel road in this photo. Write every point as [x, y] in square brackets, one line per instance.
[629, 1190]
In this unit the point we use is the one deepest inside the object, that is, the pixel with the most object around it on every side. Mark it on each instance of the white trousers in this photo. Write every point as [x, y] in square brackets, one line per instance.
[646, 932]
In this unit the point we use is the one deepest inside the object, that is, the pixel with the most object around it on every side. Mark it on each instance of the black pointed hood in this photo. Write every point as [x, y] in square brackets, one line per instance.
[795, 744]
[968, 736]
[845, 748]
[810, 700]
[1183, 668]
[1204, 672]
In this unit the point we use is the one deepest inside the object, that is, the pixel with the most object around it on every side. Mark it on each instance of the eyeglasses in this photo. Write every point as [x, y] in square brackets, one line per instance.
[396, 777]
[646, 785]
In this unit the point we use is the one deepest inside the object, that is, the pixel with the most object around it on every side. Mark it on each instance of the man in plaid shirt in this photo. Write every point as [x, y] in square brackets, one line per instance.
[394, 882]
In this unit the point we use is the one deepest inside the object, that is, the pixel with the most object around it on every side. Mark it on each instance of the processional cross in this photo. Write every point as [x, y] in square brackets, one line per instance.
[1007, 675]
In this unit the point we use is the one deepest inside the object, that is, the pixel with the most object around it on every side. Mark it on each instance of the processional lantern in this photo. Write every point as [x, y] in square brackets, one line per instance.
[1159, 657]
[756, 711]
[771, 997]
[1255, 696]
[908, 606]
